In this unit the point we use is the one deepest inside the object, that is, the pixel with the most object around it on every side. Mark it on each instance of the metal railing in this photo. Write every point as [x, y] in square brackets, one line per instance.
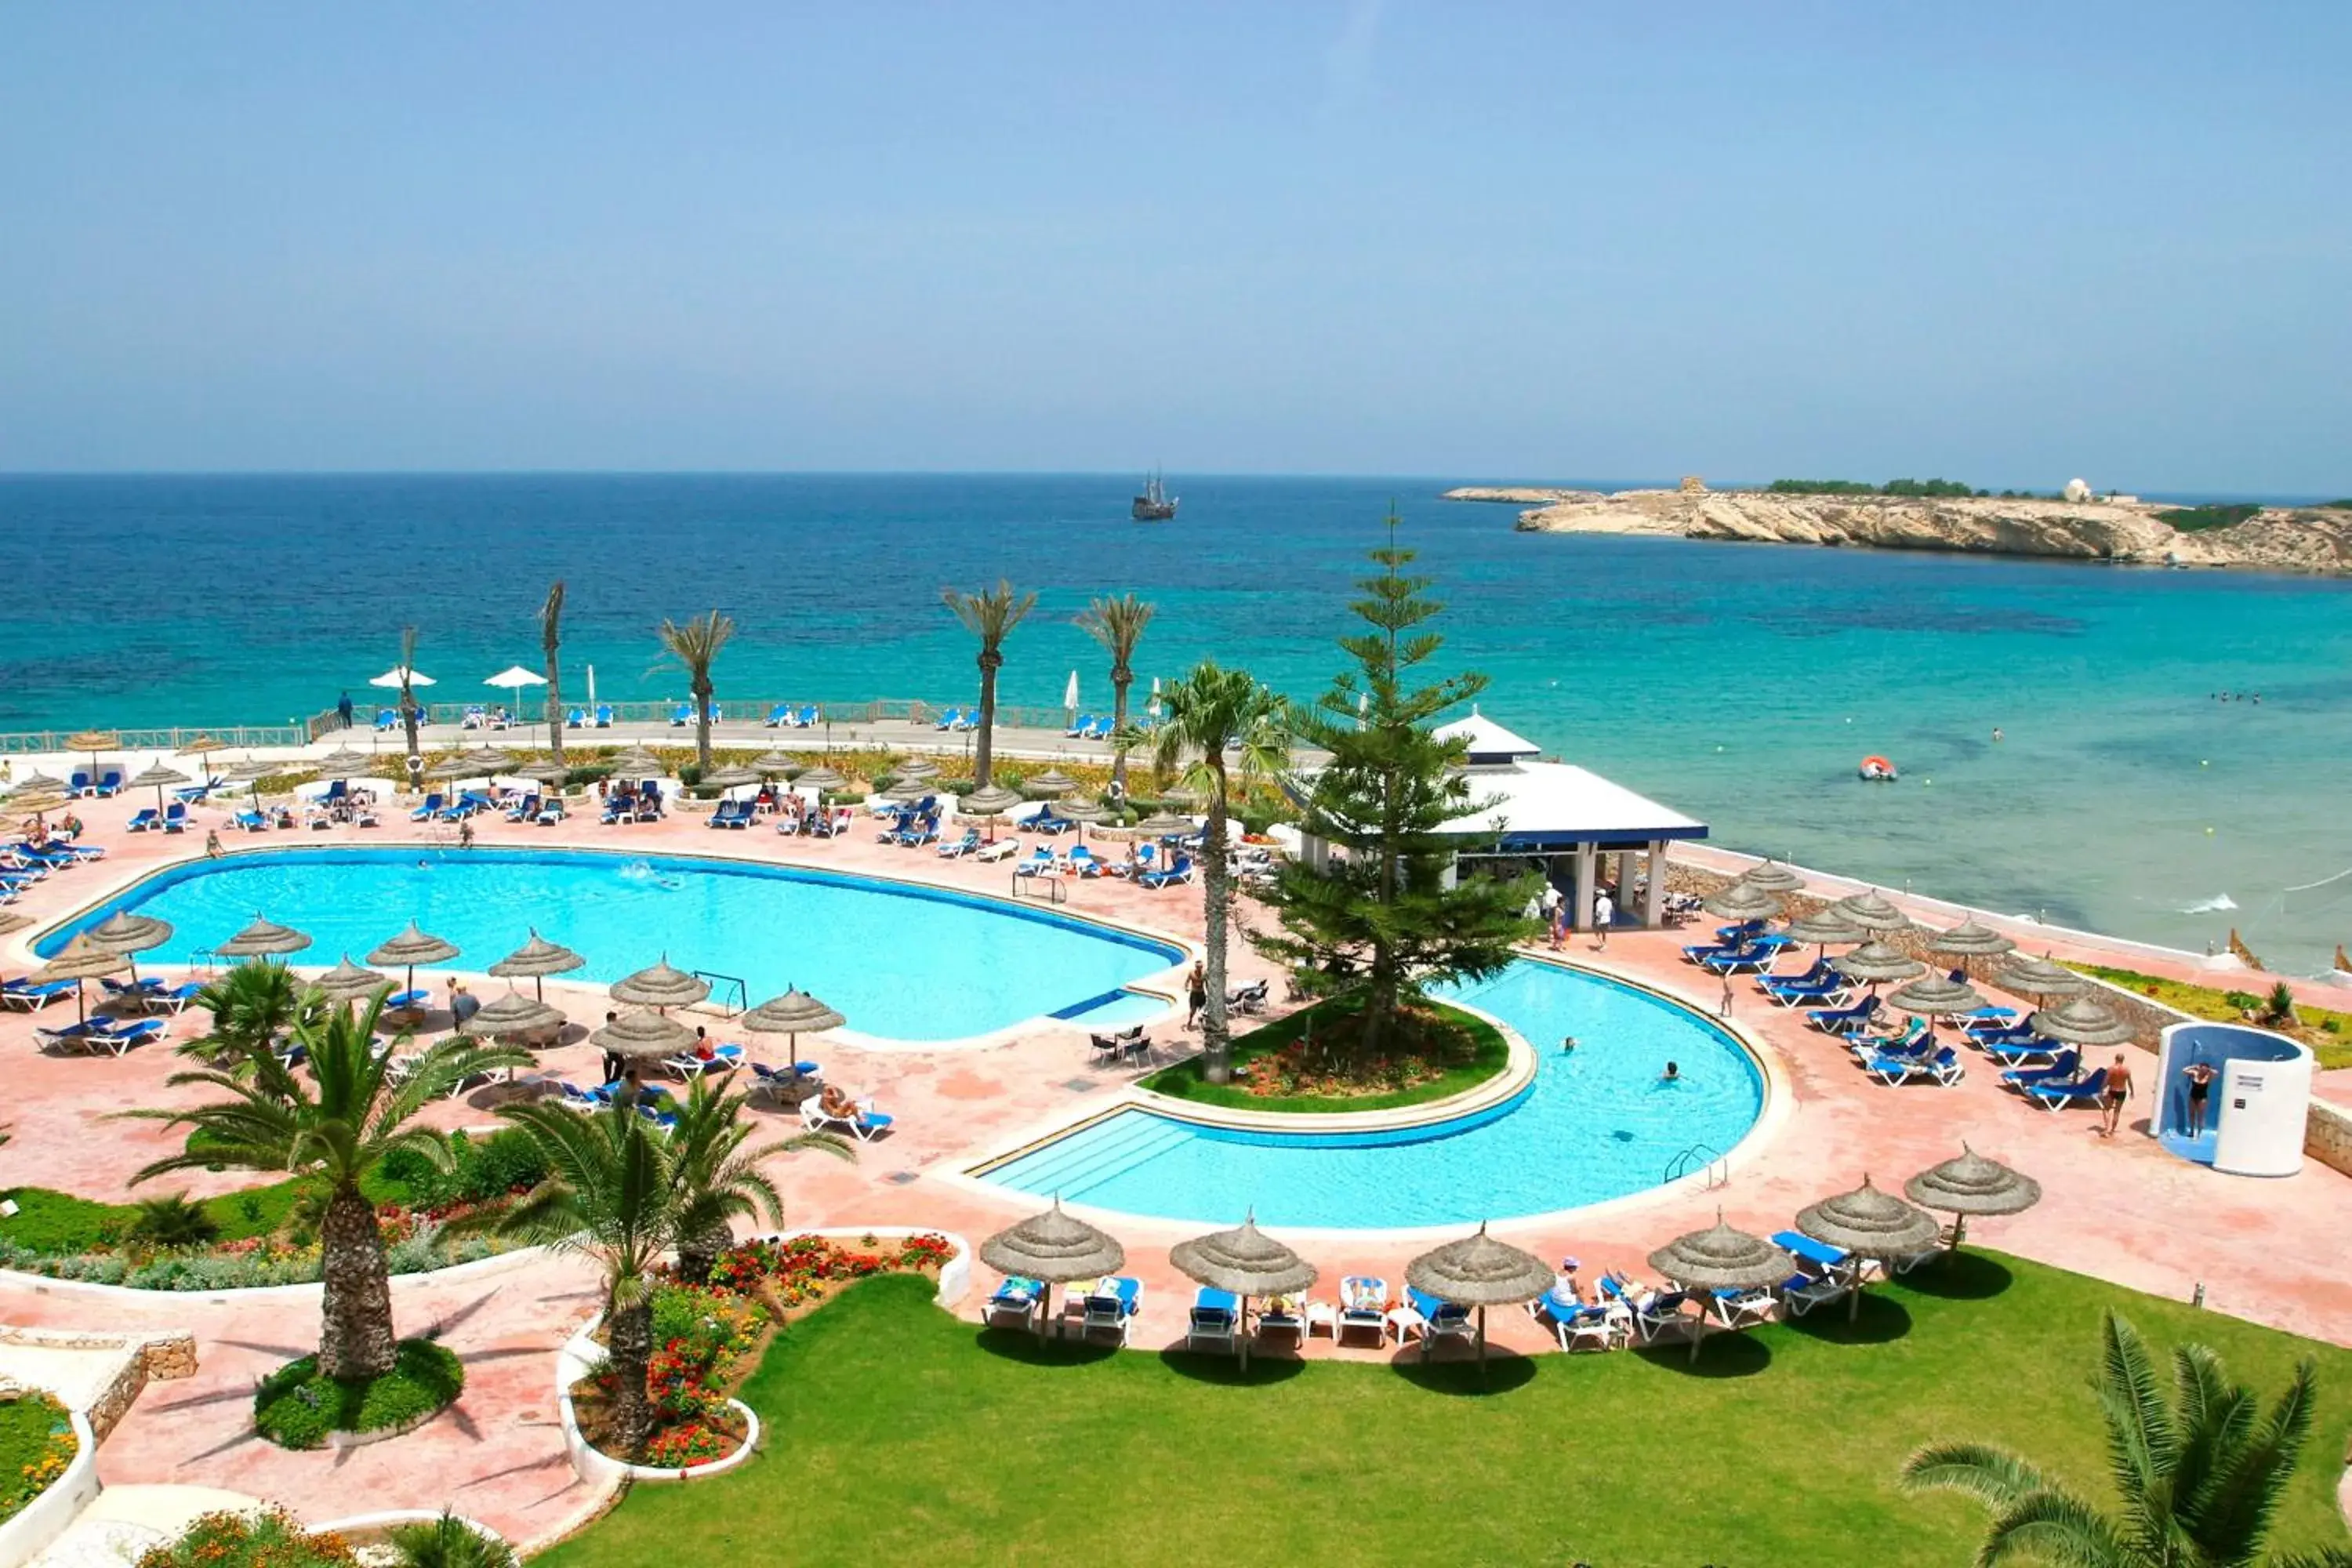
[1699, 1156]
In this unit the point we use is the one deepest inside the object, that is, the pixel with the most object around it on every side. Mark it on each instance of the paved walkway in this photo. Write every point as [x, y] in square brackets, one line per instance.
[2121, 1210]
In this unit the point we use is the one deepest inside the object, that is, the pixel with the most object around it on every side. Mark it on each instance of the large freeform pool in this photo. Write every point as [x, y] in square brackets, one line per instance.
[898, 960]
[1598, 1122]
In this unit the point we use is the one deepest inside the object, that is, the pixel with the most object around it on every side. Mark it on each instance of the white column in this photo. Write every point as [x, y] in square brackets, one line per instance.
[1654, 896]
[1579, 909]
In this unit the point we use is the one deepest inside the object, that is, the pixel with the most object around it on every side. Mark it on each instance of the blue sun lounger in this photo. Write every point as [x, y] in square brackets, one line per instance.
[2067, 1064]
[1217, 1318]
[1439, 1319]
[950, 719]
[1891, 1068]
[1017, 1298]
[145, 817]
[2020, 1051]
[28, 995]
[2058, 1094]
[604, 716]
[1180, 871]
[1111, 1307]
[779, 715]
[1844, 1020]
[735, 814]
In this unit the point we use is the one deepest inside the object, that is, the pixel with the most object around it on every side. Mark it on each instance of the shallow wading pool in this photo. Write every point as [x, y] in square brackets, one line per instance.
[898, 960]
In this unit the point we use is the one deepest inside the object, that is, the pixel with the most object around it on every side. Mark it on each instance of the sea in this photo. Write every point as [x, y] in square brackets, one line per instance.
[2155, 754]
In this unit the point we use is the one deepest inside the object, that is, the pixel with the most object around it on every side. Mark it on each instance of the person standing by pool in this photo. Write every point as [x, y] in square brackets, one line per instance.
[1604, 910]
[1196, 986]
[613, 1062]
[1723, 1008]
[462, 1004]
[2200, 1075]
[343, 709]
[2118, 1089]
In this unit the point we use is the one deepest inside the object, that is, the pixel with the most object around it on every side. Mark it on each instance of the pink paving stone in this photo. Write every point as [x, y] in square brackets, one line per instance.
[2123, 1211]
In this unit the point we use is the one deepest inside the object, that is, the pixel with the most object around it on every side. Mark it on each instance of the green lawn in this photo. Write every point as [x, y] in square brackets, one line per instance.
[54, 1222]
[2328, 1032]
[1485, 1053]
[898, 1434]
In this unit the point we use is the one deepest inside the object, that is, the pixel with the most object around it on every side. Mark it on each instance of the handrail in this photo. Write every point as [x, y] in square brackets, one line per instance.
[723, 983]
[1698, 1156]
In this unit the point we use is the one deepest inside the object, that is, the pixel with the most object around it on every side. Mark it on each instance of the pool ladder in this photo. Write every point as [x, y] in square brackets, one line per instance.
[1700, 1157]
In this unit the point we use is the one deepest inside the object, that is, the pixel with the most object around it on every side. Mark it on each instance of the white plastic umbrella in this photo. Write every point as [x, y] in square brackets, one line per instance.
[514, 677]
[396, 675]
[1070, 693]
[592, 687]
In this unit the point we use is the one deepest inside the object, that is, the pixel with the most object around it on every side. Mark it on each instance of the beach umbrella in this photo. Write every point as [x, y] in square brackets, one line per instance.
[12, 921]
[1874, 1226]
[538, 959]
[1874, 962]
[1081, 810]
[159, 777]
[39, 801]
[2039, 978]
[916, 768]
[1872, 912]
[1934, 996]
[513, 1013]
[397, 676]
[489, 759]
[644, 1034]
[1972, 1185]
[2081, 1022]
[262, 939]
[1245, 1261]
[130, 934]
[93, 741]
[40, 783]
[636, 762]
[1164, 824]
[1052, 780]
[451, 767]
[1771, 877]
[991, 802]
[661, 986]
[549, 771]
[821, 778]
[252, 771]
[1478, 1271]
[1052, 1248]
[204, 745]
[1823, 927]
[1969, 940]
[1738, 901]
[794, 1014]
[82, 960]
[343, 762]
[1721, 1258]
[411, 948]
[907, 790]
[731, 777]
[347, 982]
[514, 678]
[1070, 693]
[775, 761]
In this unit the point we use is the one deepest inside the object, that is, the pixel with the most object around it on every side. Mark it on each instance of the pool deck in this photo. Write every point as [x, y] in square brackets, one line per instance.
[2124, 1211]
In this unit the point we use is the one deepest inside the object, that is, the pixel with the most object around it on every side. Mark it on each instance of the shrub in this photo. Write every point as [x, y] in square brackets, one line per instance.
[448, 1543]
[268, 1539]
[296, 1406]
[2203, 518]
[36, 1444]
[172, 1221]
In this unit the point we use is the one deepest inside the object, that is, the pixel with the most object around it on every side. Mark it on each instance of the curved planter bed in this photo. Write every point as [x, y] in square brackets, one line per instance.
[48, 1284]
[42, 1520]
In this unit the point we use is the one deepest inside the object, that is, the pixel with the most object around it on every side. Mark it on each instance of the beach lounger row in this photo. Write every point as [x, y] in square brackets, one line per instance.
[784, 716]
[110, 1036]
[958, 720]
[173, 818]
[1090, 727]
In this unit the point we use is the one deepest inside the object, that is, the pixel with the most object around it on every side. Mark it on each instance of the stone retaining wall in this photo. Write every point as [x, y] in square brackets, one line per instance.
[2328, 1135]
[161, 1356]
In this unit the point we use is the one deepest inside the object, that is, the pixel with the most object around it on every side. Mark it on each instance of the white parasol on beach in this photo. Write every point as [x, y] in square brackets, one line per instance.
[1070, 694]
[514, 678]
[397, 676]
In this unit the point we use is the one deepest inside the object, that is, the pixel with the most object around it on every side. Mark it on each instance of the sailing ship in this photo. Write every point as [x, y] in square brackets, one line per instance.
[1155, 504]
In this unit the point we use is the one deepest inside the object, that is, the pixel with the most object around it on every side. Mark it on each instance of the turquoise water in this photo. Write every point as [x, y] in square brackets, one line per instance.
[1738, 682]
[1597, 1123]
[902, 963]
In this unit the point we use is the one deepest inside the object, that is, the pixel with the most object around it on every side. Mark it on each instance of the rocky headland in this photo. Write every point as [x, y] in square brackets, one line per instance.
[2274, 538]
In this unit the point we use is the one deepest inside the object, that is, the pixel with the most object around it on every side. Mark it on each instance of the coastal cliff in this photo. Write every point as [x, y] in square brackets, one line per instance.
[2275, 539]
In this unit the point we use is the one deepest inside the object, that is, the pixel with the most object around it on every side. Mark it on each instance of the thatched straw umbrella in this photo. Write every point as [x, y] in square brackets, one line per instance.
[731, 778]
[1081, 810]
[547, 772]
[772, 763]
[203, 746]
[343, 762]
[537, 959]
[642, 1034]
[40, 784]
[1873, 1226]
[159, 777]
[1721, 1258]
[1771, 877]
[490, 759]
[35, 801]
[347, 982]
[1052, 781]
[916, 768]
[1478, 1271]
[660, 987]
[991, 802]
[11, 921]
[1969, 940]
[907, 790]
[93, 741]
[1823, 927]
[263, 938]
[1739, 901]
[793, 1015]
[82, 960]
[2040, 979]
[822, 778]
[2081, 1022]
[511, 1013]
[636, 762]
[1052, 1248]
[1932, 996]
[1972, 1185]
[452, 768]
[1873, 962]
[1165, 823]
[411, 948]
[130, 934]
[1246, 1261]
[1872, 913]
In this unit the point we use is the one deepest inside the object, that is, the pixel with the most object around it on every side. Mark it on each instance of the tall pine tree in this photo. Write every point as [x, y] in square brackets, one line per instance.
[1383, 917]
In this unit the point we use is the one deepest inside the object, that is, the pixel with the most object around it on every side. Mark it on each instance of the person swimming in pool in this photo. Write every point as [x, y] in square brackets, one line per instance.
[1674, 1074]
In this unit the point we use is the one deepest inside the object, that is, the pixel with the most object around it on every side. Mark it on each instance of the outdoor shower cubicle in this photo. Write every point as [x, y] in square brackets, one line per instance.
[2254, 1107]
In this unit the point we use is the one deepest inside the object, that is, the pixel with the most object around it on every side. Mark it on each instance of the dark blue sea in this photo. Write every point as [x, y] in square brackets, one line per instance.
[1737, 682]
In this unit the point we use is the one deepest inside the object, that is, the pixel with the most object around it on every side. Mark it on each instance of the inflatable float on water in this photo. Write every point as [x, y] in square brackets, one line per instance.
[1878, 770]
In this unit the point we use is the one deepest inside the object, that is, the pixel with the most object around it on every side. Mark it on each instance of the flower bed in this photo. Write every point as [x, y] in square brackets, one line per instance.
[36, 1444]
[270, 1538]
[707, 1338]
[297, 1407]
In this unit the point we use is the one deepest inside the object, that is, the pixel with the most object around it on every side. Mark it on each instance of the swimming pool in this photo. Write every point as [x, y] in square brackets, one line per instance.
[1596, 1123]
[902, 962]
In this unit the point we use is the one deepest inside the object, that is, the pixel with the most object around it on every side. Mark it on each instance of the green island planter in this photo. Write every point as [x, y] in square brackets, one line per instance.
[2328, 1032]
[296, 1407]
[1488, 1055]
[36, 1444]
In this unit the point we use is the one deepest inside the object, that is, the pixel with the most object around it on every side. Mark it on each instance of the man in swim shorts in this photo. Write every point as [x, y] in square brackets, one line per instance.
[2112, 1098]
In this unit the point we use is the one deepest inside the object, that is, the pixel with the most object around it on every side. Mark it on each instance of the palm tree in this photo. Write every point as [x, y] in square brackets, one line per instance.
[708, 1143]
[694, 647]
[1117, 624]
[1209, 714]
[619, 1191]
[989, 615]
[252, 1006]
[2200, 1473]
[550, 637]
[337, 1120]
[407, 695]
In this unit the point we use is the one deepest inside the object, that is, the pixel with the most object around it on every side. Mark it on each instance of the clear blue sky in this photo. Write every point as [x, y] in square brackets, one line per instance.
[2008, 243]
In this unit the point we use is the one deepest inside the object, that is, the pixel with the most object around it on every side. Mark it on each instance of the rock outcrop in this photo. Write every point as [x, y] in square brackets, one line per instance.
[2276, 539]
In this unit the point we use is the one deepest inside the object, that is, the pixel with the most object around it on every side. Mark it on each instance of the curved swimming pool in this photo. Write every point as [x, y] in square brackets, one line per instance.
[898, 960]
[1598, 1122]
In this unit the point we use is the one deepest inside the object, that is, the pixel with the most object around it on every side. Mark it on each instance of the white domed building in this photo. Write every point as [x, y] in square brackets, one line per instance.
[2078, 491]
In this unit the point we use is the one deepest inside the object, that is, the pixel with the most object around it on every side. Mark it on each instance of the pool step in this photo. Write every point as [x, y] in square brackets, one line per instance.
[1074, 1165]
